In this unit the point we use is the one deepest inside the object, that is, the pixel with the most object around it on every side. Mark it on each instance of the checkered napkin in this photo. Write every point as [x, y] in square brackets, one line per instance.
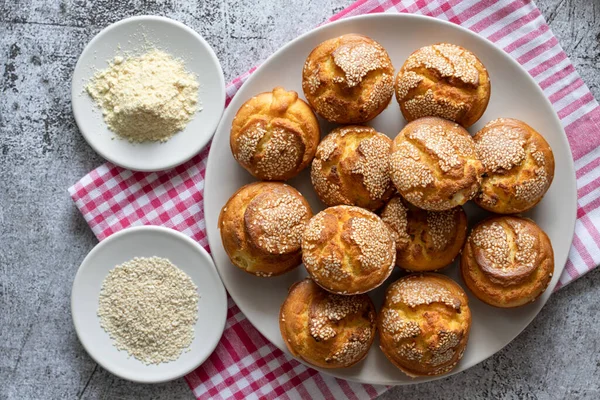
[245, 364]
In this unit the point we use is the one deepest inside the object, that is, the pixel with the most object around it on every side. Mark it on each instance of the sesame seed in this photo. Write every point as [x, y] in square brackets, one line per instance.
[500, 148]
[374, 165]
[280, 154]
[427, 104]
[507, 246]
[414, 292]
[350, 230]
[353, 349]
[509, 151]
[441, 227]
[401, 329]
[372, 238]
[395, 215]
[436, 140]
[278, 221]
[431, 156]
[247, 143]
[338, 174]
[327, 321]
[149, 308]
[435, 71]
[357, 60]
[407, 81]
[333, 81]
[407, 170]
[449, 60]
[424, 337]
[493, 240]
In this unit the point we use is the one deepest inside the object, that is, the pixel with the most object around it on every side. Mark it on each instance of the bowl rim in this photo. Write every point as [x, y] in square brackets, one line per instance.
[85, 264]
[221, 95]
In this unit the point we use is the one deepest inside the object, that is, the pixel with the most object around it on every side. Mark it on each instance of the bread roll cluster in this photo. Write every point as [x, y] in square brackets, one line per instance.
[389, 202]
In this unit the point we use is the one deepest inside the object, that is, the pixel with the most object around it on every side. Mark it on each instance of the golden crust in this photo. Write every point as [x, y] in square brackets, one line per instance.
[443, 80]
[348, 79]
[348, 250]
[425, 240]
[507, 261]
[274, 135]
[424, 324]
[261, 228]
[519, 166]
[434, 165]
[324, 329]
[352, 167]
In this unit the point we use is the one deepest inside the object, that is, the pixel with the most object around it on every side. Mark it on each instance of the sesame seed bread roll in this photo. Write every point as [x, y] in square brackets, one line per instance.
[443, 80]
[424, 324]
[425, 240]
[352, 167]
[507, 261]
[519, 166]
[348, 250]
[324, 329]
[261, 228]
[274, 135]
[348, 79]
[434, 165]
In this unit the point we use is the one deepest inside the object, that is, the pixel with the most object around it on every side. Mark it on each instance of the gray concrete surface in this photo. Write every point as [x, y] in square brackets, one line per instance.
[43, 238]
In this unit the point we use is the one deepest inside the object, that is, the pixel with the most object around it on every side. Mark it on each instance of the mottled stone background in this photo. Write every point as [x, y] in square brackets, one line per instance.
[43, 238]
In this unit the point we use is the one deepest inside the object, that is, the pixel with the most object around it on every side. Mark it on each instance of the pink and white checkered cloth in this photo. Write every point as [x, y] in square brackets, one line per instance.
[245, 364]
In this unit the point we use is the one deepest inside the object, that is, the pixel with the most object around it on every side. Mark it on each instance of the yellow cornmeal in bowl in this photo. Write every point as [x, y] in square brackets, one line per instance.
[143, 98]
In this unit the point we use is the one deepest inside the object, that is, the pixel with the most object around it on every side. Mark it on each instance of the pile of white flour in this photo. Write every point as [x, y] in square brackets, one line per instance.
[145, 98]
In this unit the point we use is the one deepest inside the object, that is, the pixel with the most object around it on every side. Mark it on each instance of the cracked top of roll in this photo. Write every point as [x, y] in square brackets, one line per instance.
[443, 80]
[348, 79]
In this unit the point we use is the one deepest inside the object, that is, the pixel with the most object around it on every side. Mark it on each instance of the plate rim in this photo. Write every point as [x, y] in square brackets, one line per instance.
[222, 95]
[179, 236]
[556, 121]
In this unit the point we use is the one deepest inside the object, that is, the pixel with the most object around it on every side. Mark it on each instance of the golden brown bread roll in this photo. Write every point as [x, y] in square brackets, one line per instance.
[348, 79]
[274, 135]
[424, 324]
[352, 167]
[348, 250]
[425, 240]
[261, 227]
[443, 80]
[507, 261]
[519, 166]
[434, 165]
[324, 329]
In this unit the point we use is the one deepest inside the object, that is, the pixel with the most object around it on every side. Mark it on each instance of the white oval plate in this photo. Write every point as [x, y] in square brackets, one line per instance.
[130, 35]
[148, 241]
[514, 94]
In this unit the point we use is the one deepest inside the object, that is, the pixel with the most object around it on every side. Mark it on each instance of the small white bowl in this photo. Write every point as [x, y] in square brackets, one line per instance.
[130, 35]
[148, 241]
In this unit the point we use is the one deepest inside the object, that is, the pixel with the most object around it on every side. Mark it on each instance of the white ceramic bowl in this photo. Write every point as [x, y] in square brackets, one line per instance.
[514, 94]
[130, 35]
[148, 241]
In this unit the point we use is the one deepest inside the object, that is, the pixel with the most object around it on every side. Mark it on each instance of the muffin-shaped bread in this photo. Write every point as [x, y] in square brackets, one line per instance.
[443, 80]
[424, 324]
[348, 250]
[434, 165]
[325, 329]
[519, 166]
[425, 240]
[261, 227]
[352, 167]
[274, 135]
[348, 79]
[507, 261]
